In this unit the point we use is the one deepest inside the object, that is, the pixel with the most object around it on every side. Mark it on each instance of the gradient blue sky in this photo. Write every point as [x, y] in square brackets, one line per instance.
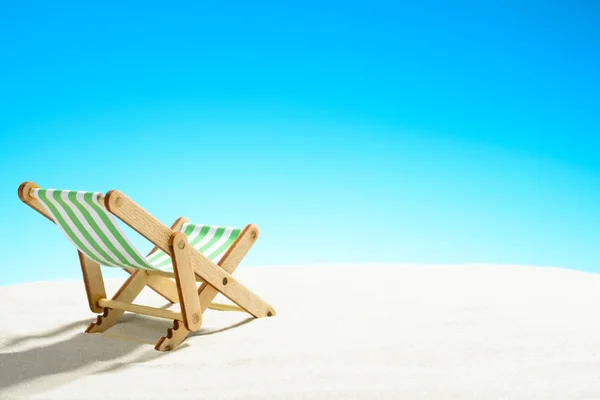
[422, 132]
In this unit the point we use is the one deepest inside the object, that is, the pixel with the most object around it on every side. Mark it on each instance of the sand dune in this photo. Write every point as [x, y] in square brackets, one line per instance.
[342, 331]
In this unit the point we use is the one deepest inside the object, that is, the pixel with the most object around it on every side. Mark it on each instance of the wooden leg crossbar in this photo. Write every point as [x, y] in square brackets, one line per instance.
[189, 266]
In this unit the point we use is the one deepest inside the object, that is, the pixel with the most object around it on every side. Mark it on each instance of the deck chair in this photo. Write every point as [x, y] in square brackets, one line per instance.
[189, 253]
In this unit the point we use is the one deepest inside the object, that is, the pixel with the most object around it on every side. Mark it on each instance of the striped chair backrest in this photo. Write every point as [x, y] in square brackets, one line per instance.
[93, 230]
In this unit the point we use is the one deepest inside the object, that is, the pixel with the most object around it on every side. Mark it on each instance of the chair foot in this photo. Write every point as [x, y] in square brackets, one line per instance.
[105, 321]
[175, 336]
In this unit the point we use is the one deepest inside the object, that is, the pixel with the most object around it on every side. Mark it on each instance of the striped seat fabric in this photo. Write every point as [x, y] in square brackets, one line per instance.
[94, 231]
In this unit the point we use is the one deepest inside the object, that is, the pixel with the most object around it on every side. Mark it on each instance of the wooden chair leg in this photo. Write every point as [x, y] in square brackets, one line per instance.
[92, 279]
[185, 278]
[127, 293]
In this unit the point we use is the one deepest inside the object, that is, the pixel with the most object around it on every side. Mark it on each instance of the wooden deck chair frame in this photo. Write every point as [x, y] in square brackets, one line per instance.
[189, 266]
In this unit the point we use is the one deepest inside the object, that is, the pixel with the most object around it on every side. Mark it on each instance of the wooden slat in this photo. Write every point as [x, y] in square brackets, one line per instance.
[164, 274]
[224, 307]
[153, 230]
[139, 309]
[186, 281]
[92, 279]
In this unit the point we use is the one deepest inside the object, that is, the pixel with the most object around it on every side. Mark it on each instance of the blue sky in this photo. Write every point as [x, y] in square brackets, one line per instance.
[349, 132]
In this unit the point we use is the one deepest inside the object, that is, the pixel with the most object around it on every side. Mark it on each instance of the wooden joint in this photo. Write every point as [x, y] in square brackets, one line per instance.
[196, 318]
[179, 240]
[113, 200]
[92, 279]
[253, 229]
[25, 191]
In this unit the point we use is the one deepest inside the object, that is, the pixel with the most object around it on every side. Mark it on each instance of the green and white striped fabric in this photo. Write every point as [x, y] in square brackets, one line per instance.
[212, 241]
[94, 231]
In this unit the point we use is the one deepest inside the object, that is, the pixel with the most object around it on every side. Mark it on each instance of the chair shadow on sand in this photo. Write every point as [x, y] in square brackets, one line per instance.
[68, 359]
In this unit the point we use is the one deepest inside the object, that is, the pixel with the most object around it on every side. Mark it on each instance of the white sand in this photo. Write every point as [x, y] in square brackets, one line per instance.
[347, 332]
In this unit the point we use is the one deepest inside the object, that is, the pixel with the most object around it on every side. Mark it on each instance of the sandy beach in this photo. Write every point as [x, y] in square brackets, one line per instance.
[341, 332]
